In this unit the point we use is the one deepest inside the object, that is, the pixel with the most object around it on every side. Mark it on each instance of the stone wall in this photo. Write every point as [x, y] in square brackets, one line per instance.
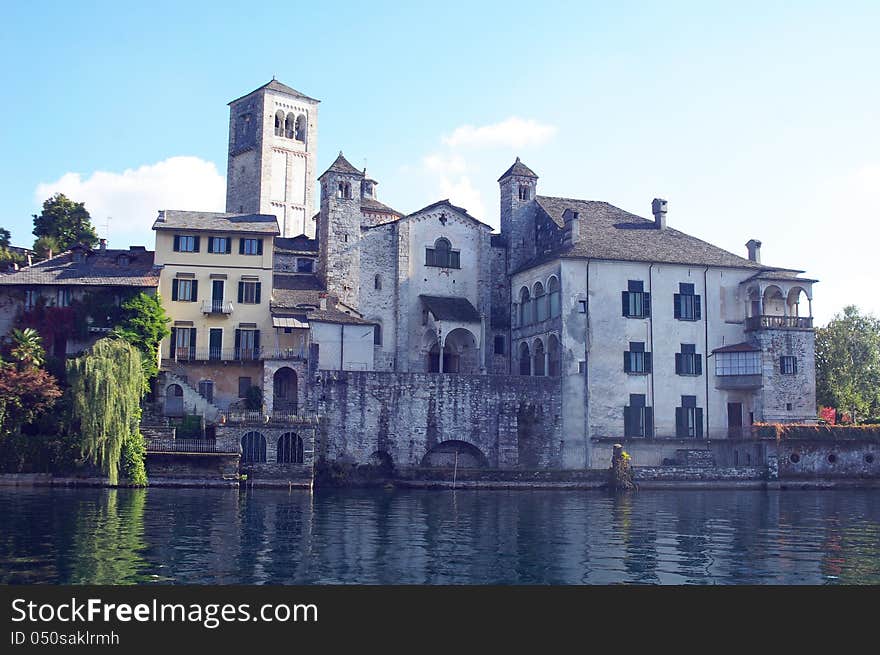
[207, 466]
[839, 458]
[514, 422]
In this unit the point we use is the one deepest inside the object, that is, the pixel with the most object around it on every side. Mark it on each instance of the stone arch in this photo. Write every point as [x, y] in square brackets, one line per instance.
[554, 360]
[446, 453]
[300, 130]
[285, 390]
[525, 306]
[525, 359]
[773, 301]
[793, 301]
[290, 126]
[253, 448]
[290, 449]
[553, 295]
[540, 300]
[538, 357]
[460, 353]
[174, 400]
[279, 123]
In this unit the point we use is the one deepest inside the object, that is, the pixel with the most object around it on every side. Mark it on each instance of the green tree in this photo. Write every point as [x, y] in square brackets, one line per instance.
[144, 324]
[24, 395]
[5, 237]
[28, 347]
[45, 245]
[66, 221]
[106, 386]
[848, 363]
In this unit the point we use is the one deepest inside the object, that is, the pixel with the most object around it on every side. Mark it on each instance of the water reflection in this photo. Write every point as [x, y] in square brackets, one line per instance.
[438, 537]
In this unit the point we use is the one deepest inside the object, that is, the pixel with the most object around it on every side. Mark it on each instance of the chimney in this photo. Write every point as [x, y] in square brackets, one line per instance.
[754, 247]
[572, 227]
[30, 258]
[102, 244]
[658, 207]
[323, 302]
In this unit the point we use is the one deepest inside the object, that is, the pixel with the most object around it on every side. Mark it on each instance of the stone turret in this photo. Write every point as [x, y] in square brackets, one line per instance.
[519, 186]
[339, 230]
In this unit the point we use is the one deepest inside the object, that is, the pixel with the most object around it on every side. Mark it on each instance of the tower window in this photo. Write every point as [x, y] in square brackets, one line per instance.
[279, 123]
[343, 191]
[788, 365]
[442, 255]
[300, 132]
[377, 282]
[289, 126]
[377, 335]
[524, 192]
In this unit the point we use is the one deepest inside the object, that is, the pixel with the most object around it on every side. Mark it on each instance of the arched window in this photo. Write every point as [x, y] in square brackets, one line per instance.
[290, 126]
[377, 282]
[279, 123]
[553, 294]
[344, 191]
[290, 449]
[301, 128]
[525, 306]
[377, 334]
[253, 448]
[525, 359]
[442, 255]
[524, 192]
[541, 309]
[538, 358]
[553, 359]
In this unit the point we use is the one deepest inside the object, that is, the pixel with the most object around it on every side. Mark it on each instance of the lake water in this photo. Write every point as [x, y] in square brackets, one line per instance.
[215, 536]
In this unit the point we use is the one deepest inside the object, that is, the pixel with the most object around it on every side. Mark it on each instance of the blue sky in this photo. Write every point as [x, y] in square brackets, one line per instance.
[753, 119]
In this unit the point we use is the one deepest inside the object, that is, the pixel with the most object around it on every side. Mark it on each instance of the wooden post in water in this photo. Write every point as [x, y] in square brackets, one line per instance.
[455, 469]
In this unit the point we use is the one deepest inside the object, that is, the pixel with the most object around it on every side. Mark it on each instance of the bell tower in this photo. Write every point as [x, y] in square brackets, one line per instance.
[273, 134]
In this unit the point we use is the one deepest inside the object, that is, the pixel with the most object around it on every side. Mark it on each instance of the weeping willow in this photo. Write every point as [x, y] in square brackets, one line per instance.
[106, 385]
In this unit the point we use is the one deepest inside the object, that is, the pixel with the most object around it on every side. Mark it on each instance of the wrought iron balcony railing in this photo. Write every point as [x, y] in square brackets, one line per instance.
[216, 307]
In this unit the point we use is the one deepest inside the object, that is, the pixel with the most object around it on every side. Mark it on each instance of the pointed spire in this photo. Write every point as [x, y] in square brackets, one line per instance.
[341, 165]
[519, 169]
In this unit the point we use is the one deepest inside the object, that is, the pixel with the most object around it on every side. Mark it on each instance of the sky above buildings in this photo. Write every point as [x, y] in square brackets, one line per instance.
[755, 120]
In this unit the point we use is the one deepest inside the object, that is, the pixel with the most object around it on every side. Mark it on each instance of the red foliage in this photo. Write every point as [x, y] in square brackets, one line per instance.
[24, 395]
[828, 414]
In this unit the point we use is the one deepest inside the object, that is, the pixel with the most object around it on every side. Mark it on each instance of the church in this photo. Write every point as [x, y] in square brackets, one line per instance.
[411, 336]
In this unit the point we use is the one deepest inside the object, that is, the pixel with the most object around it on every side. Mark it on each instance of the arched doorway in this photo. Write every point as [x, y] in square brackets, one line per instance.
[284, 390]
[290, 449]
[525, 359]
[553, 356]
[454, 453]
[174, 400]
[460, 353]
[253, 448]
[538, 357]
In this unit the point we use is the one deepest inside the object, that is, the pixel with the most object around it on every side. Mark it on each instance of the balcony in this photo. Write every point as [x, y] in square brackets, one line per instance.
[765, 322]
[216, 307]
[158, 445]
[259, 417]
[184, 354]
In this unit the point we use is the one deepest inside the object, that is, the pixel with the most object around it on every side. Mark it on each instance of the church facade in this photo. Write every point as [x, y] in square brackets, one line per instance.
[413, 335]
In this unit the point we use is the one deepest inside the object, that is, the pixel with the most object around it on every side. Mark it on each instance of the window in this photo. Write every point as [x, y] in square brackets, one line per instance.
[305, 265]
[185, 243]
[636, 303]
[542, 309]
[688, 418]
[253, 447]
[220, 245]
[184, 290]
[738, 363]
[687, 305]
[377, 282]
[636, 360]
[183, 343]
[30, 299]
[524, 192]
[525, 306]
[244, 383]
[499, 344]
[290, 449]
[343, 191]
[788, 365]
[442, 255]
[638, 420]
[249, 292]
[377, 335]
[553, 293]
[247, 344]
[279, 123]
[206, 390]
[301, 128]
[582, 306]
[688, 362]
[250, 247]
[63, 297]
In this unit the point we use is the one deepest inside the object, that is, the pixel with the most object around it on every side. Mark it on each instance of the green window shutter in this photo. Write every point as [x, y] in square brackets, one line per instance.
[680, 426]
[237, 344]
[173, 342]
[174, 289]
[676, 306]
[192, 343]
[260, 247]
[649, 421]
[698, 364]
[241, 246]
[627, 368]
[257, 293]
[699, 421]
[648, 363]
[176, 243]
[625, 297]
[627, 421]
[256, 343]
[698, 312]
[228, 245]
[647, 303]
[240, 292]
[794, 365]
[195, 290]
[196, 241]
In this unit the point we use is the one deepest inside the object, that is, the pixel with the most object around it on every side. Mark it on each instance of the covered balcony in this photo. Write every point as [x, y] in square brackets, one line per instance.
[779, 303]
[738, 367]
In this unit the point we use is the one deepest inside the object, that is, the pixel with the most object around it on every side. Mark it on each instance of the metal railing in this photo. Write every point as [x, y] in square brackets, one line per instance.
[259, 417]
[779, 322]
[185, 354]
[216, 307]
[185, 446]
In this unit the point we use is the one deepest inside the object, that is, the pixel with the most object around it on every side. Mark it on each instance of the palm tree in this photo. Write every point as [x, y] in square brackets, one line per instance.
[28, 348]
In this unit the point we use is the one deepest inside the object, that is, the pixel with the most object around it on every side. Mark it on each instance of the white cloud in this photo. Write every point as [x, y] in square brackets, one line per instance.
[452, 164]
[513, 132]
[462, 193]
[133, 197]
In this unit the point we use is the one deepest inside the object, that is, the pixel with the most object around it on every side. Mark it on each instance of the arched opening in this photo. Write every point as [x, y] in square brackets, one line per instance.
[525, 359]
[754, 302]
[290, 449]
[538, 357]
[553, 294]
[290, 126]
[460, 354]
[377, 334]
[774, 302]
[279, 123]
[174, 400]
[377, 282]
[525, 306]
[301, 128]
[284, 390]
[542, 311]
[253, 448]
[798, 302]
[554, 362]
[343, 190]
[455, 454]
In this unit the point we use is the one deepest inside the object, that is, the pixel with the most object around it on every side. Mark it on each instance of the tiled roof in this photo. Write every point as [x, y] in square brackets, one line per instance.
[738, 348]
[445, 202]
[296, 245]
[98, 268]
[520, 169]
[277, 86]
[172, 219]
[373, 205]
[445, 308]
[289, 292]
[608, 232]
[341, 165]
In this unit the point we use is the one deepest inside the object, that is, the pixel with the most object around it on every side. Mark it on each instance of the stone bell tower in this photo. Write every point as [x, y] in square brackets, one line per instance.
[273, 135]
